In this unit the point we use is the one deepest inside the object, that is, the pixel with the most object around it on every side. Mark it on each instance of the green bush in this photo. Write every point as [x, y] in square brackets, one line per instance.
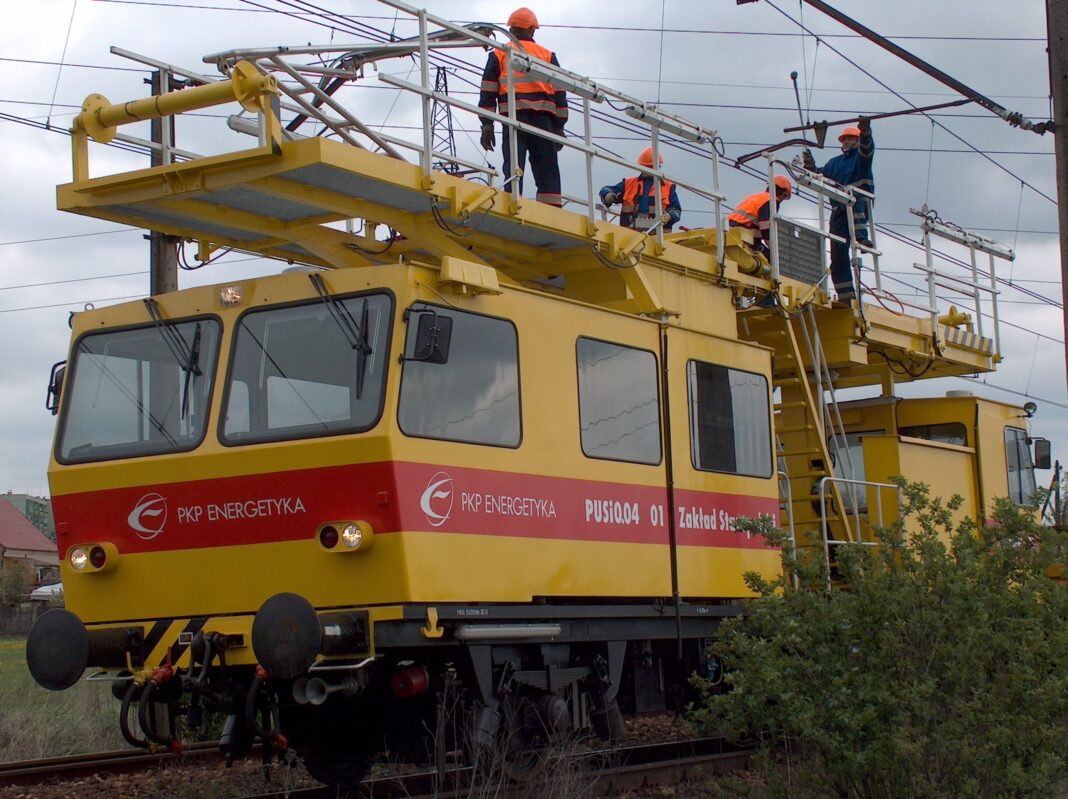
[936, 669]
[16, 582]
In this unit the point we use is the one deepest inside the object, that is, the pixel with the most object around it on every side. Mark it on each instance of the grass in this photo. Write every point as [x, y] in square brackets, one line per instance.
[35, 722]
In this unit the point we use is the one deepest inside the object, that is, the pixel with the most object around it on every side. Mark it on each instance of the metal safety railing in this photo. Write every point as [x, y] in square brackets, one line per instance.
[973, 288]
[827, 190]
[858, 519]
[303, 83]
[308, 91]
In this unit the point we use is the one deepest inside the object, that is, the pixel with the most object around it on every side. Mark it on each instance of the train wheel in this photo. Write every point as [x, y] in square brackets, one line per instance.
[531, 729]
[336, 769]
[337, 749]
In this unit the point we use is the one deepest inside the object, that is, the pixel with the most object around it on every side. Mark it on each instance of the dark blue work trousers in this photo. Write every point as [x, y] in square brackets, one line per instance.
[543, 161]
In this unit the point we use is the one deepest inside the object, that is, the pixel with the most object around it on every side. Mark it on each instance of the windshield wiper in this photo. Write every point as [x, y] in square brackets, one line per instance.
[355, 334]
[188, 357]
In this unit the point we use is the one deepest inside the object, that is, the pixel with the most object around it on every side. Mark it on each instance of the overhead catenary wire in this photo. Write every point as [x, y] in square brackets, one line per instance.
[904, 99]
[62, 58]
[566, 26]
[334, 21]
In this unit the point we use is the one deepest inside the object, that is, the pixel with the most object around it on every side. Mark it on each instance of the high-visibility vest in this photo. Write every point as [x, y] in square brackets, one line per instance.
[747, 214]
[632, 187]
[530, 95]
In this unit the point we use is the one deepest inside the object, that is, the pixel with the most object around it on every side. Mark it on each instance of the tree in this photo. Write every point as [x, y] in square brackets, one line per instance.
[936, 669]
[16, 581]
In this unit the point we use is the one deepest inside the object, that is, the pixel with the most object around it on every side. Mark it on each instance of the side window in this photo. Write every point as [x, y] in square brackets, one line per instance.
[473, 395]
[619, 403]
[308, 370]
[1021, 473]
[730, 428]
[943, 433]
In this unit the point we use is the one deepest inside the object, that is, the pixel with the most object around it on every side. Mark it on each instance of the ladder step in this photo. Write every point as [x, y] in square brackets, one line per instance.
[795, 429]
[791, 404]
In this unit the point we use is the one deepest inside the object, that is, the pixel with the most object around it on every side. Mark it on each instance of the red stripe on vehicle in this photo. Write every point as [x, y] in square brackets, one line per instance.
[396, 496]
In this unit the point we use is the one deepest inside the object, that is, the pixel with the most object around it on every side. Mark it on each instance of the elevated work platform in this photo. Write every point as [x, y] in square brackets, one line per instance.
[325, 202]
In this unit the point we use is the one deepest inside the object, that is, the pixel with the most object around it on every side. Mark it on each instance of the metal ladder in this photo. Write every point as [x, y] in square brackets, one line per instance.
[811, 434]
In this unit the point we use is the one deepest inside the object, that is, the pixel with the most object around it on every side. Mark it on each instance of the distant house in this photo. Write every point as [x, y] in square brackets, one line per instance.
[22, 543]
[37, 509]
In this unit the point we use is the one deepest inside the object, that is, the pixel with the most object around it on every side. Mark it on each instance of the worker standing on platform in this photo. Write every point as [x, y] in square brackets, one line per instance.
[537, 104]
[852, 168]
[754, 212]
[638, 203]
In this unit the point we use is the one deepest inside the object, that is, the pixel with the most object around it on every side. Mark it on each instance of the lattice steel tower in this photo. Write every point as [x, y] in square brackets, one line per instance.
[441, 132]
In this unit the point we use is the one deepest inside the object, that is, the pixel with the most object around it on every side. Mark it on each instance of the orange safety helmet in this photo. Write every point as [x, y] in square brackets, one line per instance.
[849, 132]
[645, 157]
[783, 183]
[523, 18]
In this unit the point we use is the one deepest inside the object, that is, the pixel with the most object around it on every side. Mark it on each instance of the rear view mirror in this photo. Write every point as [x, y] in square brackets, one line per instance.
[1043, 453]
[432, 338]
[55, 386]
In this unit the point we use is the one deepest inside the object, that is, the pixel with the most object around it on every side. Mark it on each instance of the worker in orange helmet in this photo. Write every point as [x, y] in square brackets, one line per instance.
[636, 198]
[754, 212]
[852, 168]
[537, 104]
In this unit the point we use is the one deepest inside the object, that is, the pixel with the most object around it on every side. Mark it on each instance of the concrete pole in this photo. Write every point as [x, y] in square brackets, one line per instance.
[1057, 33]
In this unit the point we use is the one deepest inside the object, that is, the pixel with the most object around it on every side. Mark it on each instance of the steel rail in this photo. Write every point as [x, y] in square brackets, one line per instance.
[124, 761]
[599, 772]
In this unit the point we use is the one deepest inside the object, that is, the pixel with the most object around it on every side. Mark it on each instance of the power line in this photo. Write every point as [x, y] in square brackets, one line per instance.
[975, 381]
[71, 236]
[708, 31]
[956, 136]
[62, 58]
[72, 280]
[332, 21]
[79, 66]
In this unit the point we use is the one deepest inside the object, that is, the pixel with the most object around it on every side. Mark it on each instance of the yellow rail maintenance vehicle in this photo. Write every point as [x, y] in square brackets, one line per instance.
[493, 457]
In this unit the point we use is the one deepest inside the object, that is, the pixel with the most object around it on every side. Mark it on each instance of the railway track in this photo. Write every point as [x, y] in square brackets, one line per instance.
[124, 761]
[588, 773]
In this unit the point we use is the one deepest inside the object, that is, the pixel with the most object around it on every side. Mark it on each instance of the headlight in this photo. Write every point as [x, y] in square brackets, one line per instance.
[92, 558]
[351, 535]
[79, 558]
[355, 536]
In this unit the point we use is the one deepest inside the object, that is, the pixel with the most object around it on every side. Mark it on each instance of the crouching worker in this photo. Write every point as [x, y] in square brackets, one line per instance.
[754, 212]
[637, 202]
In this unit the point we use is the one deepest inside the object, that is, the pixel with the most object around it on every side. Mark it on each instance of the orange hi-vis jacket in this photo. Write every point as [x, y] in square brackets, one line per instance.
[632, 188]
[530, 95]
[753, 213]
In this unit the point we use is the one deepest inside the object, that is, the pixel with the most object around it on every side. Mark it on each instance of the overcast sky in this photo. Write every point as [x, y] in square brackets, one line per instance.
[724, 66]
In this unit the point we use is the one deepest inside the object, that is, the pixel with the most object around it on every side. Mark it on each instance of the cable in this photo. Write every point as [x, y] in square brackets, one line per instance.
[79, 66]
[373, 33]
[974, 381]
[959, 138]
[62, 58]
[72, 280]
[161, 4]
[71, 236]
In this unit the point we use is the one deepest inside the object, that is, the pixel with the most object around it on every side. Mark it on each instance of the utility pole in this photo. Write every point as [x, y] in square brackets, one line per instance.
[1056, 31]
[163, 258]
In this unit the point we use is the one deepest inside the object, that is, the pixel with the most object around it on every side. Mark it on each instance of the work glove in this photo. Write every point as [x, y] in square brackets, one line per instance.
[865, 126]
[808, 160]
[489, 139]
[611, 198]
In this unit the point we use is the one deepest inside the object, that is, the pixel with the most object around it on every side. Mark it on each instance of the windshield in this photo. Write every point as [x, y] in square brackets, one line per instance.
[128, 395]
[315, 369]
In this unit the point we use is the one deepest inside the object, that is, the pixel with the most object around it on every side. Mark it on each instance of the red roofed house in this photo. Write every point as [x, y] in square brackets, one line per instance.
[21, 542]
